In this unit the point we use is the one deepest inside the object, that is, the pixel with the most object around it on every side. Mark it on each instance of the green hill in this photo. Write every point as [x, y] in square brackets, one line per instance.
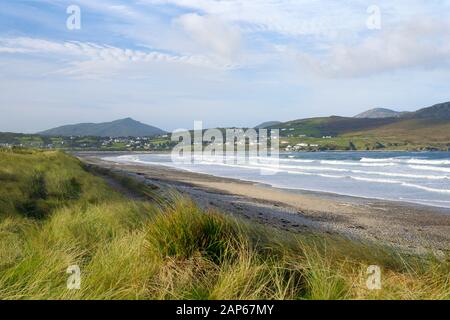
[438, 111]
[425, 129]
[268, 124]
[119, 128]
[418, 131]
[330, 126]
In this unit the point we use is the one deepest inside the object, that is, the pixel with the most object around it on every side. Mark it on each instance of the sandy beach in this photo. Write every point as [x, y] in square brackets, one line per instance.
[410, 226]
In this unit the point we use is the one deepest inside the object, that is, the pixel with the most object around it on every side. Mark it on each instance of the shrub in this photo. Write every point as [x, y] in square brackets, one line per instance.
[71, 189]
[36, 209]
[36, 187]
[6, 176]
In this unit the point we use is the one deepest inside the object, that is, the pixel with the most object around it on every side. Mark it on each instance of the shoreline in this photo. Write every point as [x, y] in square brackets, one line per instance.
[410, 226]
[330, 194]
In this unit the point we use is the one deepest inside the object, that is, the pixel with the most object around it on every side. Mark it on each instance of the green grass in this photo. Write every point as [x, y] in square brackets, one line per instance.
[171, 249]
[413, 134]
[368, 134]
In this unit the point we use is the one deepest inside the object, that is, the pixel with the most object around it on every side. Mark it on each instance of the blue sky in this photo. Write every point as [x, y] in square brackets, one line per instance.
[230, 62]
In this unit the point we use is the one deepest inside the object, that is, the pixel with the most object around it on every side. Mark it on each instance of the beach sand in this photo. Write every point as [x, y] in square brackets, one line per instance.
[409, 226]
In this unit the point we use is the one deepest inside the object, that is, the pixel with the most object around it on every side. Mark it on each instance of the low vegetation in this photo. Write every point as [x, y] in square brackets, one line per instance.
[54, 213]
[337, 133]
[85, 143]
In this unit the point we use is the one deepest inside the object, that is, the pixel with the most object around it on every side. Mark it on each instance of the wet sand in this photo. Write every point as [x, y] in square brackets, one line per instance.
[410, 226]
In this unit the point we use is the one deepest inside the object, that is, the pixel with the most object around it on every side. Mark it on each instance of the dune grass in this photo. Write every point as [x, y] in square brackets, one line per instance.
[54, 214]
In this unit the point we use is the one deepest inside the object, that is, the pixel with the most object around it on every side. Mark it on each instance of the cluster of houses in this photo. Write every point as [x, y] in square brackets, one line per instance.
[79, 142]
[27, 145]
[144, 143]
[132, 142]
[289, 134]
[301, 146]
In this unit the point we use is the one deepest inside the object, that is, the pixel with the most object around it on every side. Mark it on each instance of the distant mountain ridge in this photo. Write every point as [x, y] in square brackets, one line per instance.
[431, 122]
[119, 128]
[378, 113]
[440, 111]
[407, 122]
[267, 124]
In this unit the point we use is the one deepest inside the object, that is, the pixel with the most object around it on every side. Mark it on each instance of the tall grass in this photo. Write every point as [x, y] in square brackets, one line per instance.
[183, 230]
[147, 249]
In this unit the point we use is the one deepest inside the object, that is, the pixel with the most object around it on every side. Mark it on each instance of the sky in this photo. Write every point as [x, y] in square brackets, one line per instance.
[227, 63]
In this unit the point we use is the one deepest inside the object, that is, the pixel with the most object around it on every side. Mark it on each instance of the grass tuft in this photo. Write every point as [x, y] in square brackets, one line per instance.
[183, 230]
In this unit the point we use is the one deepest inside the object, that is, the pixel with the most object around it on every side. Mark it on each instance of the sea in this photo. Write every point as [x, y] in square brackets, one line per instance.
[415, 177]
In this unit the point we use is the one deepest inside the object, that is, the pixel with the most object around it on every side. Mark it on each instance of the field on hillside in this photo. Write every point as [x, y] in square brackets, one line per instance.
[412, 132]
[337, 133]
[153, 244]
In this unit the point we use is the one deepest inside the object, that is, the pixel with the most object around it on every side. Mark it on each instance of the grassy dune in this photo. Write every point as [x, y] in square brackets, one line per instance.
[54, 213]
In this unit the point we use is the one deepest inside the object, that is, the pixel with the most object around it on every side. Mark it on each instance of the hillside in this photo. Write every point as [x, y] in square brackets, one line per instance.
[330, 126]
[437, 111]
[268, 124]
[415, 131]
[379, 113]
[425, 129]
[119, 128]
[426, 126]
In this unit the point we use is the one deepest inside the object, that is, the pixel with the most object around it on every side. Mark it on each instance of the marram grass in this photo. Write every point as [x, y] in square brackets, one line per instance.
[54, 214]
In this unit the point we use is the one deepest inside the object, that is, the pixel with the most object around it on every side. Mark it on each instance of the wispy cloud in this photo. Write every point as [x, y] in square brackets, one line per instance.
[290, 18]
[91, 59]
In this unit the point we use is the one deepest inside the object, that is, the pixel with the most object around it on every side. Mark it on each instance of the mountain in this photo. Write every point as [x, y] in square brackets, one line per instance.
[119, 128]
[439, 111]
[379, 113]
[268, 124]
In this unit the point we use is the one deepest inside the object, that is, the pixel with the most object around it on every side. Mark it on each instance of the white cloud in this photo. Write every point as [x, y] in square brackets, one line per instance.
[212, 34]
[421, 43]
